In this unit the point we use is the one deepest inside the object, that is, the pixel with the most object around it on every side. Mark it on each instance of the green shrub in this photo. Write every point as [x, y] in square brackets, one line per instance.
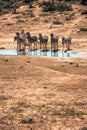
[84, 12]
[29, 1]
[30, 5]
[58, 6]
[2, 98]
[48, 6]
[63, 6]
[83, 2]
[57, 22]
[69, 17]
[83, 29]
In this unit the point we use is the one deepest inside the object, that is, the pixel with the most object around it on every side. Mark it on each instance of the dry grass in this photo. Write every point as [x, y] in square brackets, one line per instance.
[39, 93]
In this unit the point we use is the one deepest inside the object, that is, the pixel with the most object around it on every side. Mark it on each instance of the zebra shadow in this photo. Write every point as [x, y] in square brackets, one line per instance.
[54, 53]
[32, 52]
[67, 50]
[21, 52]
[43, 52]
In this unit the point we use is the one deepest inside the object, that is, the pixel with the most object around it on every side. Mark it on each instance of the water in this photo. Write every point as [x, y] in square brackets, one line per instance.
[41, 53]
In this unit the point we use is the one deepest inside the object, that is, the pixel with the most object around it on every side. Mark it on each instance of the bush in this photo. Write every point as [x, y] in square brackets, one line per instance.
[47, 6]
[59, 6]
[69, 0]
[30, 5]
[83, 2]
[84, 12]
[57, 22]
[83, 29]
[63, 6]
[69, 17]
[29, 1]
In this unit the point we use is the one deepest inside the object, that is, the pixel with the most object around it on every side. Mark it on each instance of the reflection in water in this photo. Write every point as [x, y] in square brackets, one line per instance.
[32, 52]
[43, 53]
[40, 53]
[21, 53]
[64, 54]
[68, 54]
[54, 54]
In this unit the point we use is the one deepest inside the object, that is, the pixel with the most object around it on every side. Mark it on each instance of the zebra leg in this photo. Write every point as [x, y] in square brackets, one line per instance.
[69, 46]
[66, 46]
[17, 46]
[62, 46]
[57, 46]
[46, 45]
[51, 47]
[40, 46]
[36, 45]
[24, 45]
[30, 46]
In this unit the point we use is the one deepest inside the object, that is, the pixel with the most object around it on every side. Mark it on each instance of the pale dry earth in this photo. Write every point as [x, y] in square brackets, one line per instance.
[41, 93]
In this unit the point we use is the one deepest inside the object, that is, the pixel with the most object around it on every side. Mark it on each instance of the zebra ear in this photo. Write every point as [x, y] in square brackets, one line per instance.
[27, 33]
[14, 38]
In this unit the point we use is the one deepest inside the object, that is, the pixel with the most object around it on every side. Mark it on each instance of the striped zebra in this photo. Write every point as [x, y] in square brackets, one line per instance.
[66, 41]
[31, 40]
[43, 39]
[54, 42]
[20, 42]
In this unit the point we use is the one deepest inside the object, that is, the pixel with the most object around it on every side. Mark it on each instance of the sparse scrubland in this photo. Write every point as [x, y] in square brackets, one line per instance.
[42, 93]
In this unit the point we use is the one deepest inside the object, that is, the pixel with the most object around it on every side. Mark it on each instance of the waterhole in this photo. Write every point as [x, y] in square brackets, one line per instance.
[41, 53]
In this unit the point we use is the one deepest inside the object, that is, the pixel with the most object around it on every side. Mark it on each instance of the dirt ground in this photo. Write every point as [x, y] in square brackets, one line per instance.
[41, 93]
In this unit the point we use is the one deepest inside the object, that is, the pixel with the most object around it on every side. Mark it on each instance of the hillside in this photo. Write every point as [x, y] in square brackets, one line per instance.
[34, 20]
[40, 92]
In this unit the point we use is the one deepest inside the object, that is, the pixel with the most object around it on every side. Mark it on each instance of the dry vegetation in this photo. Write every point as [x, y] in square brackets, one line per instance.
[40, 93]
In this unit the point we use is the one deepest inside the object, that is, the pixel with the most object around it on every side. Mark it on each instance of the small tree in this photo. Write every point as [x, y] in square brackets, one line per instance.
[15, 6]
[83, 2]
[29, 1]
[52, 1]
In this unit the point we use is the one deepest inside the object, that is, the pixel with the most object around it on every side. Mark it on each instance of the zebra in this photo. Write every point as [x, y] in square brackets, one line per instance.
[43, 41]
[20, 42]
[31, 40]
[54, 42]
[67, 42]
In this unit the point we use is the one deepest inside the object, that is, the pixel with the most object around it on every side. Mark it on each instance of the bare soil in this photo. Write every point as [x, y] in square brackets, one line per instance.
[41, 93]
